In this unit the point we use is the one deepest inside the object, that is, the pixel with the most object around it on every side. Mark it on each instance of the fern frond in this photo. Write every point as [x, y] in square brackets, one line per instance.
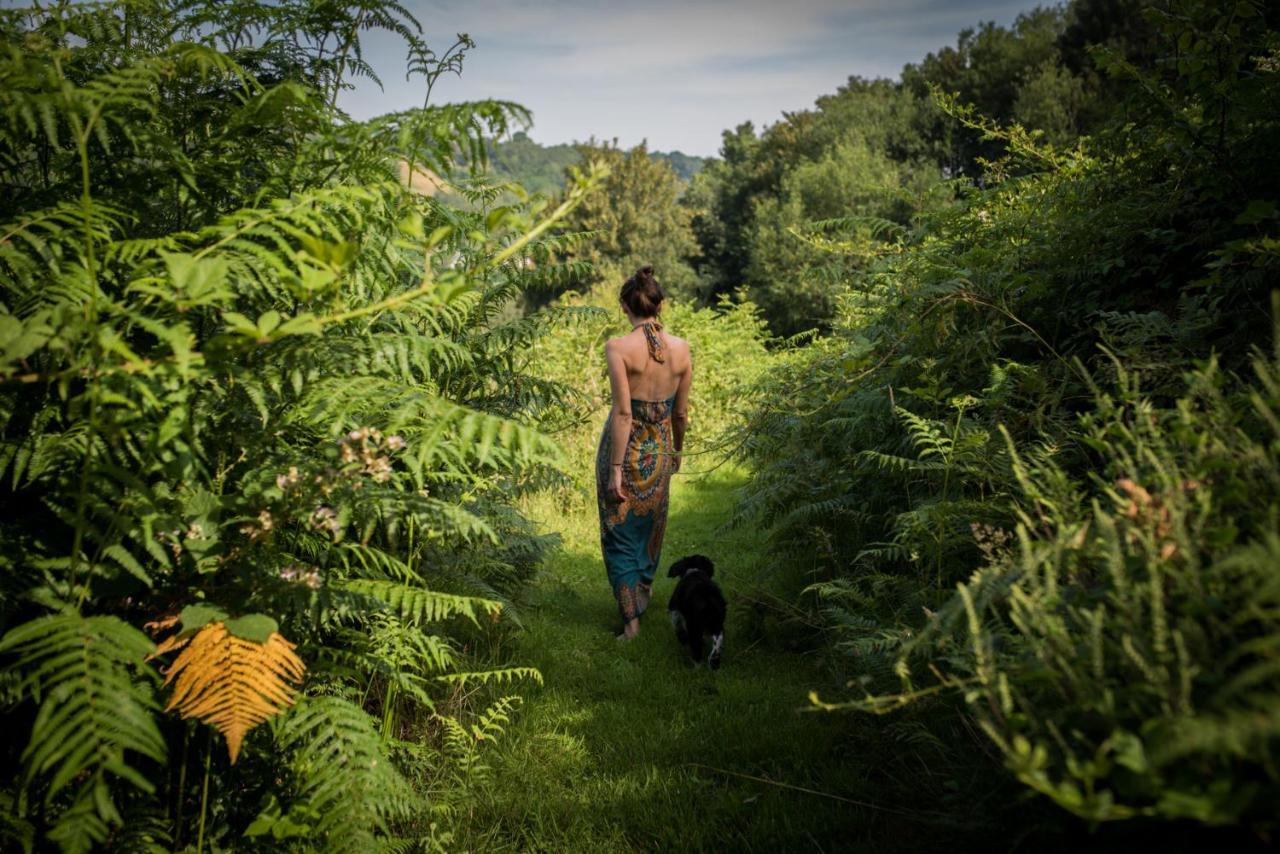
[231, 683]
[344, 774]
[418, 605]
[500, 675]
[95, 708]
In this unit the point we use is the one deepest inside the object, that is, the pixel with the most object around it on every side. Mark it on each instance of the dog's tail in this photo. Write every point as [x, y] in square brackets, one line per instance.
[685, 564]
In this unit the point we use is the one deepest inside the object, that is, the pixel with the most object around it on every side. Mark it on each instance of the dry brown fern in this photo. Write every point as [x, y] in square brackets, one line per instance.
[231, 683]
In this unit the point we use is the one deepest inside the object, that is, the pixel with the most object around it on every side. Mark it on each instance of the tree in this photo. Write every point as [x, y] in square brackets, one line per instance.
[793, 281]
[636, 220]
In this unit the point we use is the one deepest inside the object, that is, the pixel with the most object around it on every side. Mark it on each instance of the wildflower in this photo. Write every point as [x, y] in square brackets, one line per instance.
[284, 481]
[395, 443]
[326, 518]
[265, 520]
[308, 576]
[380, 469]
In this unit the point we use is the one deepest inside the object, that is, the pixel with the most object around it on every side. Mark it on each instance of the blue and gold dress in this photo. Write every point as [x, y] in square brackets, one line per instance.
[631, 531]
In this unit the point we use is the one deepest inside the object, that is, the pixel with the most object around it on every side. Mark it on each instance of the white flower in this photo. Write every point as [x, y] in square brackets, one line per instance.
[326, 518]
[305, 575]
[284, 481]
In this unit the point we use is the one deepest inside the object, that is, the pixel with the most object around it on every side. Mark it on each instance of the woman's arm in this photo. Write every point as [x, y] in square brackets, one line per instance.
[619, 416]
[680, 411]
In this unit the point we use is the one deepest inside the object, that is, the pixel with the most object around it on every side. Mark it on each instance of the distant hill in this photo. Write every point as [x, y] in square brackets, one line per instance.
[424, 181]
[540, 168]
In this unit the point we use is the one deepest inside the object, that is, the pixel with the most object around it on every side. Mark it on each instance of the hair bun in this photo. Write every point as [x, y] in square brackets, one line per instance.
[642, 294]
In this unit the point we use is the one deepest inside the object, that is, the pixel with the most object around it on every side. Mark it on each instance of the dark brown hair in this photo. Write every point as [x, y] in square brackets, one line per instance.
[642, 294]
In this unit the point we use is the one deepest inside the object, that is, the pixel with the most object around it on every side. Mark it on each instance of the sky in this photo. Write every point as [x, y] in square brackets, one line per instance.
[673, 73]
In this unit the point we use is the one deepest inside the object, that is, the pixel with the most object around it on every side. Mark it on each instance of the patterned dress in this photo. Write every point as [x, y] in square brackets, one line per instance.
[631, 531]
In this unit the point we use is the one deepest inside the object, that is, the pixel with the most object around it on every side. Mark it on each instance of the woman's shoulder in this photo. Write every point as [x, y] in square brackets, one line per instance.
[625, 347]
[676, 341]
[624, 341]
[679, 348]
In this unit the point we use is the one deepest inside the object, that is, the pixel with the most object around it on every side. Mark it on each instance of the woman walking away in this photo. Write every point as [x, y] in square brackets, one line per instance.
[649, 374]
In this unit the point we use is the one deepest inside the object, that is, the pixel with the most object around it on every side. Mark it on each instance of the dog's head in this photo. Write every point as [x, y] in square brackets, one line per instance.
[692, 562]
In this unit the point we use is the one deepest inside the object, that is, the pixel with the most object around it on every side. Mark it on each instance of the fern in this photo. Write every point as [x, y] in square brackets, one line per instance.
[197, 317]
[346, 779]
[498, 676]
[464, 743]
[231, 683]
[417, 606]
[95, 707]
[1186, 695]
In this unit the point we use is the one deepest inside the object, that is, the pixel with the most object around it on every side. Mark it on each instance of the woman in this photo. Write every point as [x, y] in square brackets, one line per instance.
[649, 373]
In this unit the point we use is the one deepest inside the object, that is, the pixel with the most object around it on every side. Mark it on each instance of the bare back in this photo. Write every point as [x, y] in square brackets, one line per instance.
[646, 378]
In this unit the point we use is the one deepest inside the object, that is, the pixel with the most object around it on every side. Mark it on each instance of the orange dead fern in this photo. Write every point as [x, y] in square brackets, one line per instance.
[229, 682]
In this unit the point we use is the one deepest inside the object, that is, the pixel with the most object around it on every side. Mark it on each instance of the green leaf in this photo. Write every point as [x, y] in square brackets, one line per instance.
[197, 616]
[19, 339]
[496, 218]
[240, 324]
[1257, 211]
[268, 322]
[1129, 751]
[302, 324]
[411, 225]
[199, 280]
[253, 627]
[439, 234]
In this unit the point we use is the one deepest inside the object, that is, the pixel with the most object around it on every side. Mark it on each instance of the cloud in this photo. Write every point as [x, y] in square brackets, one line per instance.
[676, 73]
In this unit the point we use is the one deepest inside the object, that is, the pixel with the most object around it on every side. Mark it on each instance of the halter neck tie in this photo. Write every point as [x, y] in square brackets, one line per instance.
[653, 339]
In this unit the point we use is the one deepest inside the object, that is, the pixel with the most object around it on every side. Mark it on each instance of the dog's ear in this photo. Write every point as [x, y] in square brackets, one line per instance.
[678, 568]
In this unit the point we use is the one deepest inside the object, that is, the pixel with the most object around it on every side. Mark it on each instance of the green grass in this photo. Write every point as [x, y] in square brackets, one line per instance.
[629, 747]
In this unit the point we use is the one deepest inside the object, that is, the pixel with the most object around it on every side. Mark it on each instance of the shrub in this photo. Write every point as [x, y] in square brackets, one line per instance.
[1117, 646]
[256, 392]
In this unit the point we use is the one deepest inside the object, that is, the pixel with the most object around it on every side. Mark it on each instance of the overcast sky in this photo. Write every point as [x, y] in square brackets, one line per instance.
[674, 73]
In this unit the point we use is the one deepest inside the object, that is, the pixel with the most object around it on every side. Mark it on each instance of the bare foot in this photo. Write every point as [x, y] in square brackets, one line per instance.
[630, 630]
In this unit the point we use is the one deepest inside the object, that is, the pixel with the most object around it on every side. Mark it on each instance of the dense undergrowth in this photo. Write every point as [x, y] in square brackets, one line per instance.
[260, 401]
[1032, 471]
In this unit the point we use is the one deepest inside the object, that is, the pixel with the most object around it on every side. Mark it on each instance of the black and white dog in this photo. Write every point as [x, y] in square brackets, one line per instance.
[697, 607]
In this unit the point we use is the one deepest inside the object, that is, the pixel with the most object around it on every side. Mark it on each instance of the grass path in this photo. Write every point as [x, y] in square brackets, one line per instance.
[627, 747]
